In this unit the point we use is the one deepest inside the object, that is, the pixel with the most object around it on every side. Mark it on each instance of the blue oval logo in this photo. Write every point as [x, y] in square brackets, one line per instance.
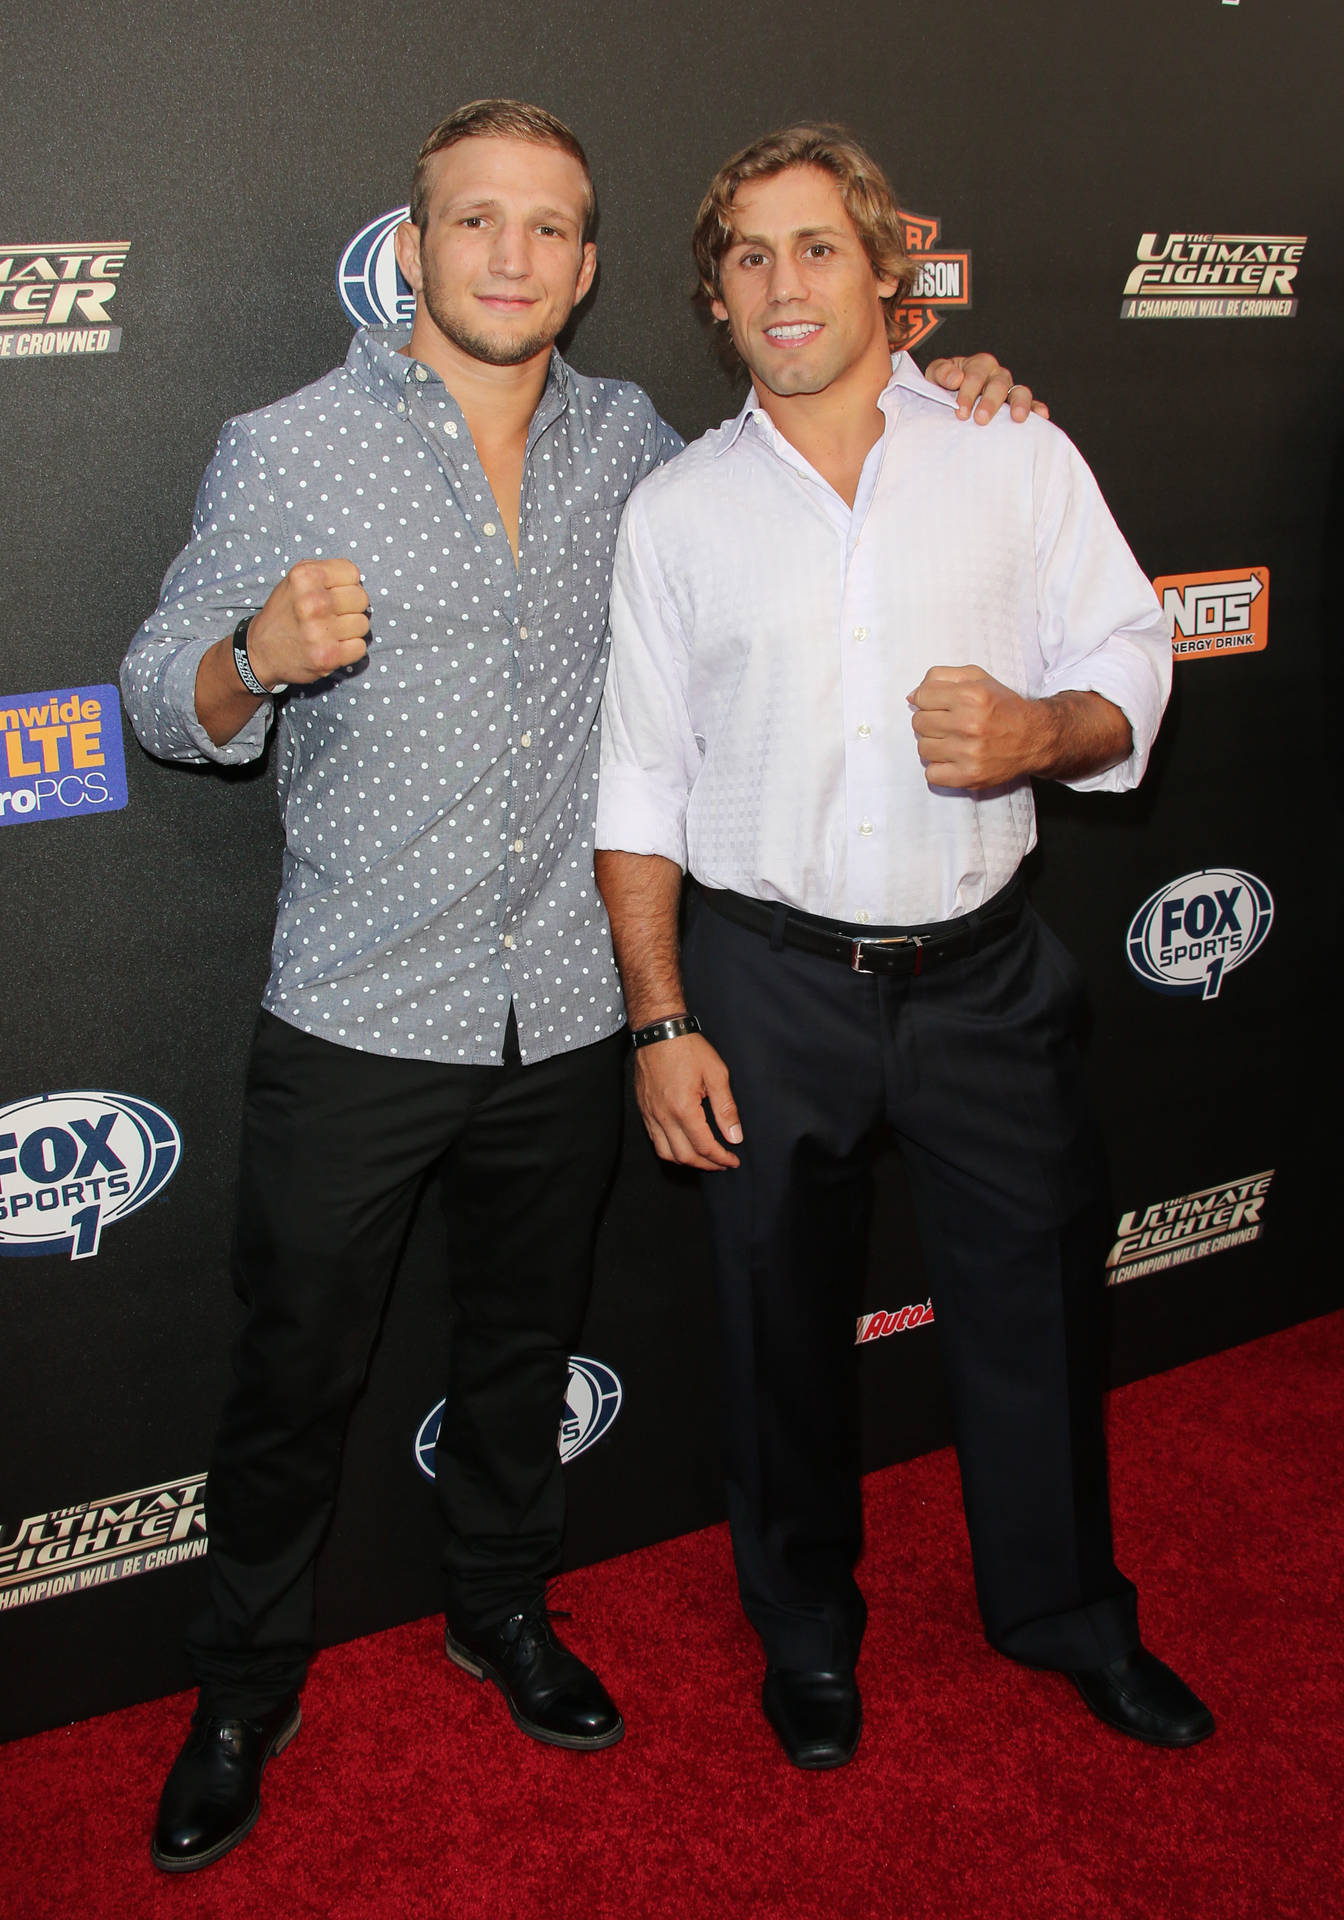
[368, 279]
[1189, 935]
[592, 1402]
[72, 1163]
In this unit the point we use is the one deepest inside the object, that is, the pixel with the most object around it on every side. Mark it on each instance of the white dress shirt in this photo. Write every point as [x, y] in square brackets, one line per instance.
[765, 637]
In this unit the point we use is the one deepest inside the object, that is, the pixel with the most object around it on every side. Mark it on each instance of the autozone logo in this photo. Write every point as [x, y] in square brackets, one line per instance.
[944, 280]
[1189, 935]
[1216, 614]
[54, 299]
[877, 1326]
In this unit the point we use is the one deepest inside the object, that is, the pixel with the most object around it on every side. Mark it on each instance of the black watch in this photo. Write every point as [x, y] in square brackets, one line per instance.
[244, 665]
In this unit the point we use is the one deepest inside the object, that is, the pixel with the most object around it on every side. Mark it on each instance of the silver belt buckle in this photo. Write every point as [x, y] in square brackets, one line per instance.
[891, 940]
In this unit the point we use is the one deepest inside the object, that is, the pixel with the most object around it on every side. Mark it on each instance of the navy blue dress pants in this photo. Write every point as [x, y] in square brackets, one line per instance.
[974, 1065]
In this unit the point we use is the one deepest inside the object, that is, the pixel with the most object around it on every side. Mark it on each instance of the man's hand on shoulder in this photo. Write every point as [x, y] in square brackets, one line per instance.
[314, 622]
[673, 1079]
[980, 383]
[973, 732]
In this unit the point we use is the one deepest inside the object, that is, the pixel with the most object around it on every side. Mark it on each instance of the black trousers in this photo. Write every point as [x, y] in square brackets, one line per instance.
[975, 1066]
[337, 1145]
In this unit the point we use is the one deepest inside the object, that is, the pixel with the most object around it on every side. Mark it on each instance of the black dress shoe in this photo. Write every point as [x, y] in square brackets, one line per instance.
[1139, 1695]
[550, 1693]
[817, 1714]
[212, 1797]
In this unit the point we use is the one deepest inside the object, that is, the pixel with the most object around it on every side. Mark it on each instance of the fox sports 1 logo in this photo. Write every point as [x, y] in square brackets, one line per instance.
[1188, 936]
[592, 1402]
[369, 280]
[72, 1163]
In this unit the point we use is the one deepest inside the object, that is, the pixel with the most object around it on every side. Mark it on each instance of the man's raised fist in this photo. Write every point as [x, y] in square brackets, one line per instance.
[315, 621]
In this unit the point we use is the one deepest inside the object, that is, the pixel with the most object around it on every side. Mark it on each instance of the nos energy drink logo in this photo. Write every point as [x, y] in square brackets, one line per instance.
[1195, 930]
[61, 757]
[592, 1402]
[369, 280]
[71, 1163]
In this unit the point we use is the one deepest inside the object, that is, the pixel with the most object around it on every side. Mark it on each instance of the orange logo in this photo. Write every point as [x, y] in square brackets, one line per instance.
[944, 278]
[1219, 613]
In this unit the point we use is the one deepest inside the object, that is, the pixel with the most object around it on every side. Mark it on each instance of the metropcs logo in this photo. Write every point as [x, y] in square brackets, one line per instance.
[369, 280]
[1173, 1232]
[944, 278]
[1239, 276]
[72, 1163]
[1216, 614]
[1189, 935]
[54, 299]
[592, 1402]
[74, 1548]
[62, 756]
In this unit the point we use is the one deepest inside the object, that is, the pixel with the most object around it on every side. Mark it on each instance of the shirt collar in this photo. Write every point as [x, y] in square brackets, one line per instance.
[376, 364]
[905, 377]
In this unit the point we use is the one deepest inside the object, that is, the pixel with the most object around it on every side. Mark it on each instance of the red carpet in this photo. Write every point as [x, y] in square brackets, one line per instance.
[980, 1789]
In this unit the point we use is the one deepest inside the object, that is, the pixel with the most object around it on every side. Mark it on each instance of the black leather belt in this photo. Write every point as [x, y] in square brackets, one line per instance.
[900, 950]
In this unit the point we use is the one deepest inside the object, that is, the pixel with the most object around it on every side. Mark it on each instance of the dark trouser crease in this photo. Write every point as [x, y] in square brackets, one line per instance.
[975, 1066]
[337, 1145]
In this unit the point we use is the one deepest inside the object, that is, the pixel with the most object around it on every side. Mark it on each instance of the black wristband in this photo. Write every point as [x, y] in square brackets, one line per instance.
[244, 664]
[670, 1029]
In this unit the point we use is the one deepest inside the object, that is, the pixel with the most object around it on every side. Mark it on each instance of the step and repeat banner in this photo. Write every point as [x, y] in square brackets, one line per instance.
[1135, 207]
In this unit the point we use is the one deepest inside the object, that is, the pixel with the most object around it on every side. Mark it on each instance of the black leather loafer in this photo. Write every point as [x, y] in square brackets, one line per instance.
[550, 1693]
[1141, 1696]
[818, 1715]
[212, 1797]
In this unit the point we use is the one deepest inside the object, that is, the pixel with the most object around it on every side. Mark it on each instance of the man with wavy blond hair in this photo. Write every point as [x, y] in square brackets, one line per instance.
[404, 569]
[845, 639]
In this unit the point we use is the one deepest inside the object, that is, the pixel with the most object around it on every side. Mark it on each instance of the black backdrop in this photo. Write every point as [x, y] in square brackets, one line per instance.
[233, 153]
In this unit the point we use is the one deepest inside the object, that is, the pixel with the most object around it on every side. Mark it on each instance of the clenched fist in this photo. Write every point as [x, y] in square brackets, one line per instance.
[972, 731]
[315, 621]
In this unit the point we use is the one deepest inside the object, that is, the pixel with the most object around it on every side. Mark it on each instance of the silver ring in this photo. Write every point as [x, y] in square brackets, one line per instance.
[1013, 389]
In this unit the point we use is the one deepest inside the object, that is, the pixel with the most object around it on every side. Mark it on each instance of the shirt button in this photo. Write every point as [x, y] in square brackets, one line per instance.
[421, 373]
[525, 739]
[860, 633]
[522, 633]
[489, 527]
[865, 826]
[401, 406]
[517, 846]
[508, 939]
[865, 731]
[863, 916]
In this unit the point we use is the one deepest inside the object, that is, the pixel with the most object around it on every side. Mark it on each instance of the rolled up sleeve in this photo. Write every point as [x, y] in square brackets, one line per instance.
[1100, 626]
[236, 555]
[650, 756]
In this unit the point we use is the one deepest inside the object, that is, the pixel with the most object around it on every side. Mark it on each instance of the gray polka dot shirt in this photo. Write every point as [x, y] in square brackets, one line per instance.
[438, 800]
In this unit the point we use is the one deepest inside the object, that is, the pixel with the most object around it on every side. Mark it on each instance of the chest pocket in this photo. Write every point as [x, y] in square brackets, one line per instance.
[592, 543]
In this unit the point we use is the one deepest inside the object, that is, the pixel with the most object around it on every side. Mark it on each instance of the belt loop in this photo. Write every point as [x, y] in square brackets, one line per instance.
[779, 921]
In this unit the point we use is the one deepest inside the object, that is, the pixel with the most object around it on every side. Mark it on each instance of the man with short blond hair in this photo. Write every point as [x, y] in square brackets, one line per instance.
[845, 639]
[405, 569]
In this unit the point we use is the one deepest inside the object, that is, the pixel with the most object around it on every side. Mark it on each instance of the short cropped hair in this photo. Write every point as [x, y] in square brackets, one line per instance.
[870, 202]
[499, 120]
